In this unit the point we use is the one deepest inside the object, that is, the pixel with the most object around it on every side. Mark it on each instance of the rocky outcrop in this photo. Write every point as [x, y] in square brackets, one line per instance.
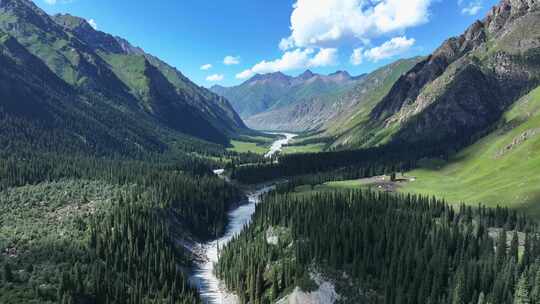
[408, 87]
[518, 141]
[324, 294]
[467, 83]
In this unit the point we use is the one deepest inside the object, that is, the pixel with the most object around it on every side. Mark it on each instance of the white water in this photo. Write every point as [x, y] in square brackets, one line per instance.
[278, 144]
[211, 289]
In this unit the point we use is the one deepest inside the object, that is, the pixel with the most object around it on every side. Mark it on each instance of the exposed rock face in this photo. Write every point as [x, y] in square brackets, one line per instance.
[518, 141]
[467, 83]
[305, 115]
[325, 294]
[407, 89]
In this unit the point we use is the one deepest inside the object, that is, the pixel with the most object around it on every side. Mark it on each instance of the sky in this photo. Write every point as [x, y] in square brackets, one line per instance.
[226, 42]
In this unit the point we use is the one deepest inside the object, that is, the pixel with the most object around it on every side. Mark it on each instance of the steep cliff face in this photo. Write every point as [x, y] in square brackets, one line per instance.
[467, 83]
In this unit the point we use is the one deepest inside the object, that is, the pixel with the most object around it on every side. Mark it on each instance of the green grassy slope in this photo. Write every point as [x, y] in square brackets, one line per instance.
[245, 146]
[307, 148]
[353, 128]
[139, 100]
[259, 144]
[502, 168]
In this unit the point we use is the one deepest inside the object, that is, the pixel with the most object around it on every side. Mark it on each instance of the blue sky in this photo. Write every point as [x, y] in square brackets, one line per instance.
[262, 36]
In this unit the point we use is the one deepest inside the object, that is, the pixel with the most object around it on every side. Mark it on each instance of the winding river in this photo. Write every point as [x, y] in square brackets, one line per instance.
[211, 289]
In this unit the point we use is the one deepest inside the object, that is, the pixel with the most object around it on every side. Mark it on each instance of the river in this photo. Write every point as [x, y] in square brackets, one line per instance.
[211, 289]
[278, 144]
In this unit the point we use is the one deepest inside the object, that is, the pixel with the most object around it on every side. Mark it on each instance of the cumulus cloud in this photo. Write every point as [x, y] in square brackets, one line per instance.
[231, 60]
[215, 77]
[325, 57]
[286, 43]
[245, 74]
[390, 48]
[206, 67]
[323, 23]
[93, 23]
[471, 8]
[293, 60]
[357, 56]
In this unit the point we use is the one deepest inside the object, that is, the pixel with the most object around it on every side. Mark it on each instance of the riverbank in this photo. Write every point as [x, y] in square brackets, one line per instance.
[211, 289]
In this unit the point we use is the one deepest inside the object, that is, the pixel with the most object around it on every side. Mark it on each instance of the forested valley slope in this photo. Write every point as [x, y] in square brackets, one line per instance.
[121, 180]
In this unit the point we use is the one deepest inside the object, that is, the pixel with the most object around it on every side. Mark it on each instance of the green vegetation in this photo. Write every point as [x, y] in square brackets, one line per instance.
[246, 147]
[309, 148]
[104, 230]
[258, 143]
[276, 90]
[318, 168]
[500, 169]
[354, 127]
[95, 92]
[384, 248]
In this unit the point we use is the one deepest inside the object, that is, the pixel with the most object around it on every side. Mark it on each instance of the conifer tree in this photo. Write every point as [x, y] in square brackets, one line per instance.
[521, 294]
[8, 274]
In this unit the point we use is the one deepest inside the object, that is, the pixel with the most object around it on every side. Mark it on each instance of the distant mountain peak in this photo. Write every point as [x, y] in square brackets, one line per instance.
[340, 73]
[276, 77]
[308, 74]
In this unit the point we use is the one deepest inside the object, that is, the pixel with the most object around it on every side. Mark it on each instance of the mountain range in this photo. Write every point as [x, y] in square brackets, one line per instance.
[266, 93]
[95, 91]
[63, 79]
[454, 95]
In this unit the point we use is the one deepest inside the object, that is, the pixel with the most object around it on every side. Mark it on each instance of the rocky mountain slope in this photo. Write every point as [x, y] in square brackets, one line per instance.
[451, 97]
[464, 86]
[263, 99]
[332, 110]
[91, 74]
[499, 169]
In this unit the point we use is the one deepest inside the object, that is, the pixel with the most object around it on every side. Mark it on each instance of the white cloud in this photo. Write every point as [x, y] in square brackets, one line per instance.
[390, 48]
[231, 60]
[245, 74]
[286, 43]
[54, 2]
[357, 57]
[323, 23]
[325, 57]
[472, 8]
[93, 23]
[215, 77]
[206, 67]
[293, 60]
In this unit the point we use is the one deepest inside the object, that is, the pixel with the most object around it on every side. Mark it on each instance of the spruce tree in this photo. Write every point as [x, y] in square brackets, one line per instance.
[521, 294]
[8, 274]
